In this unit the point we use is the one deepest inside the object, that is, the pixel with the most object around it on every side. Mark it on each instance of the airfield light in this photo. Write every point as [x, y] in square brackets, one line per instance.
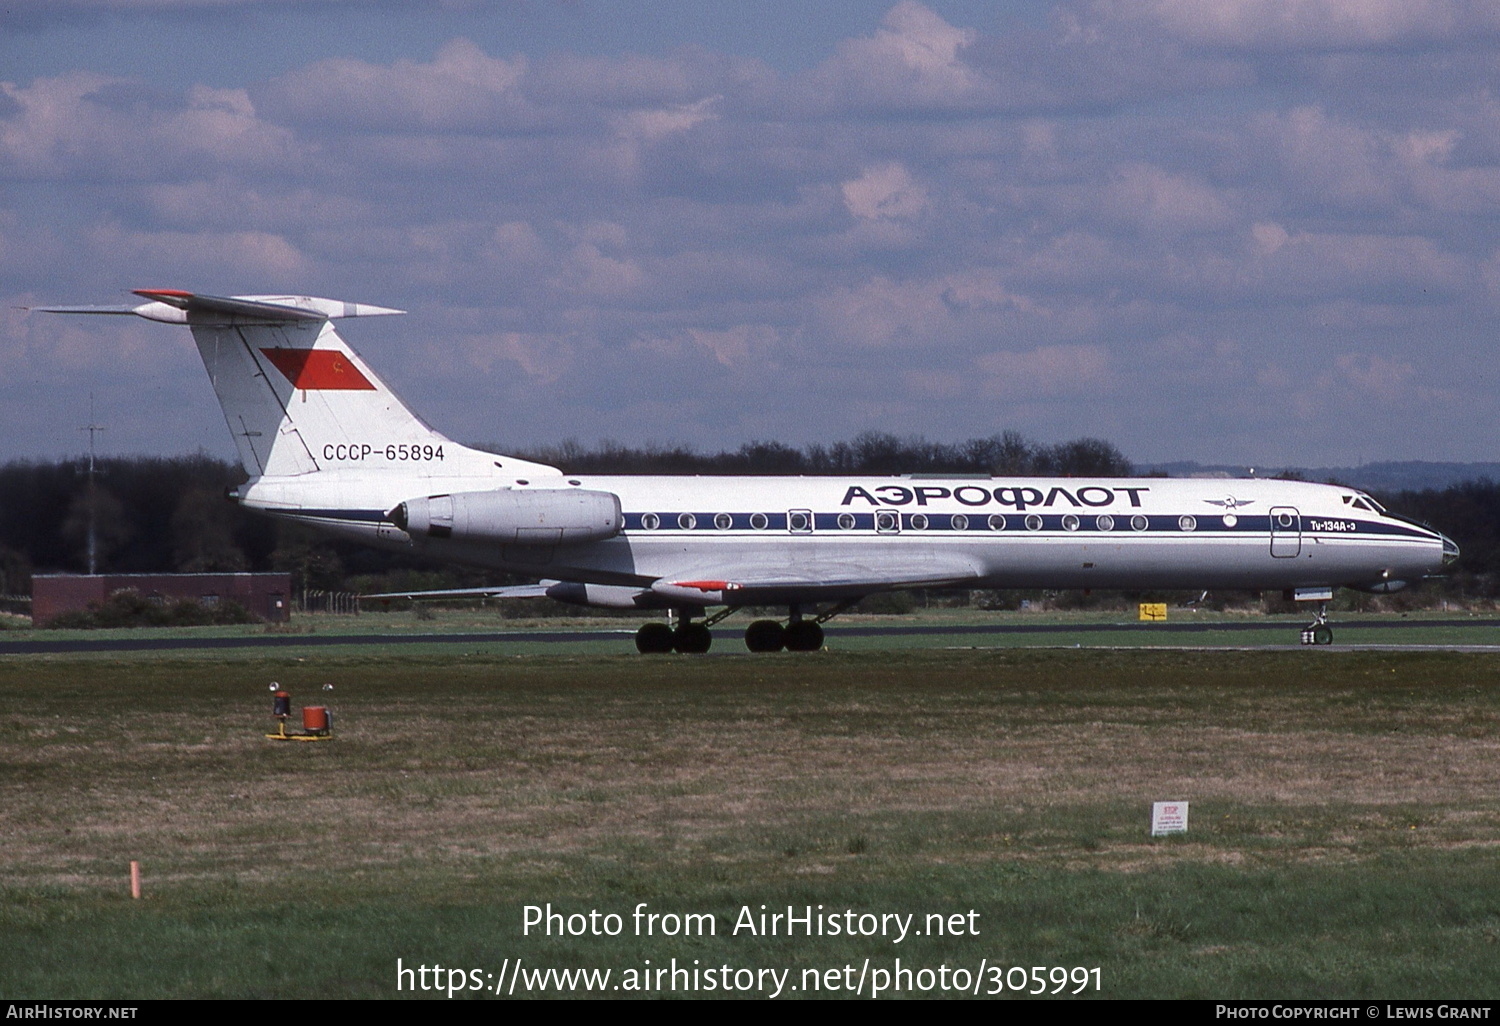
[317, 720]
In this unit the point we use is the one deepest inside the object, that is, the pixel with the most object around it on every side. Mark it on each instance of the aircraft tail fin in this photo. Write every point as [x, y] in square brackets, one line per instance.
[298, 399]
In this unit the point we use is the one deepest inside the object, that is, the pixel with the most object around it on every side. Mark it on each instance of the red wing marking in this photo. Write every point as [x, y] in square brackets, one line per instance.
[176, 293]
[706, 585]
[318, 368]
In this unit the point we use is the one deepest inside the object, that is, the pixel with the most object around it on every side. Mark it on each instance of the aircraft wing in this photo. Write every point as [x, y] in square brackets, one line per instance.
[506, 591]
[812, 580]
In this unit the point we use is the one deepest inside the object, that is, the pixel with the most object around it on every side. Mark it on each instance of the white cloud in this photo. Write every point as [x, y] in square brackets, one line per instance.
[659, 123]
[1047, 372]
[460, 89]
[73, 125]
[887, 191]
[1157, 200]
[544, 358]
[915, 58]
[1308, 24]
[263, 258]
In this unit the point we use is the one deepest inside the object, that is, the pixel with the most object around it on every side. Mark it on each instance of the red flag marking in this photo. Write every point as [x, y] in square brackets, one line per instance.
[318, 368]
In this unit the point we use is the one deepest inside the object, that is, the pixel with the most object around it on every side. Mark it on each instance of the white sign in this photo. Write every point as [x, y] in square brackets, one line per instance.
[1168, 818]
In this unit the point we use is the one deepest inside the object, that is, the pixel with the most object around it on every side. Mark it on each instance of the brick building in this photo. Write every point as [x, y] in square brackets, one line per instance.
[265, 595]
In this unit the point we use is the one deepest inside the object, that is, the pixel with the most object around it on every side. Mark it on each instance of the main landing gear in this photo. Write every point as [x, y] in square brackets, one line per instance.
[798, 634]
[1318, 632]
[688, 637]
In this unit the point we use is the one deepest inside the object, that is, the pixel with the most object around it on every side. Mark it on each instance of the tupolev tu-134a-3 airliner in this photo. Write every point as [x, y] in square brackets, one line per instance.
[326, 443]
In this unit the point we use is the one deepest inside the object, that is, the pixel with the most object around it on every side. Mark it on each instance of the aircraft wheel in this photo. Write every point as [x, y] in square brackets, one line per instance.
[803, 636]
[692, 638]
[765, 636]
[1322, 634]
[653, 639]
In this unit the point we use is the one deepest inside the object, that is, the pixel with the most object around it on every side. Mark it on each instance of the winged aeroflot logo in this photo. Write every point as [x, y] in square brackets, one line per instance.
[318, 369]
[1229, 502]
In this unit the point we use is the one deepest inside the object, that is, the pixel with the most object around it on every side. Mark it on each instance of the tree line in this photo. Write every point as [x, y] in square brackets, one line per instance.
[169, 514]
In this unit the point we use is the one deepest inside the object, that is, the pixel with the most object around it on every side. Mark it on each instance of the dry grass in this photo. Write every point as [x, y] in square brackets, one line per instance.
[948, 756]
[1344, 819]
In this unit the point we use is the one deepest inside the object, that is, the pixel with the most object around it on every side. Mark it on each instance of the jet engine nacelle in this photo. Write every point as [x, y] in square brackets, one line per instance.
[541, 516]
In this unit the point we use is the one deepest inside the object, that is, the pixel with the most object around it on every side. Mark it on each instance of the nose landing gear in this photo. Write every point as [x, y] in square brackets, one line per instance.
[1318, 632]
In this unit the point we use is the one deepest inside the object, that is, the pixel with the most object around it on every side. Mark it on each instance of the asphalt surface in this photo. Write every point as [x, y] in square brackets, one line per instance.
[273, 641]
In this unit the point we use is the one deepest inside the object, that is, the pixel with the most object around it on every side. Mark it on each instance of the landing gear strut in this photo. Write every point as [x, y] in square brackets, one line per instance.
[799, 635]
[1318, 632]
[689, 637]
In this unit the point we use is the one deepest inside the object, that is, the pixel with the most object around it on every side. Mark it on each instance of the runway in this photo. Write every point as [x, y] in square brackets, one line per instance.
[725, 635]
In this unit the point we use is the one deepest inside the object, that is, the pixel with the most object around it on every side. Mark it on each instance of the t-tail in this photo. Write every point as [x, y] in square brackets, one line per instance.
[298, 400]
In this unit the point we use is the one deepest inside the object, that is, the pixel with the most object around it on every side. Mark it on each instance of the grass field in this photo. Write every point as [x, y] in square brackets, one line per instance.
[465, 632]
[1344, 822]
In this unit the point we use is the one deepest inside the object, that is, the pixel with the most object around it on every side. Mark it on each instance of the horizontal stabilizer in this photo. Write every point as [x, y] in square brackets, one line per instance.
[118, 308]
[174, 306]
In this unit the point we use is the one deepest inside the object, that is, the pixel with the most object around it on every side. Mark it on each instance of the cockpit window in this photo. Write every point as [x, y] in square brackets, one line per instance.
[1377, 507]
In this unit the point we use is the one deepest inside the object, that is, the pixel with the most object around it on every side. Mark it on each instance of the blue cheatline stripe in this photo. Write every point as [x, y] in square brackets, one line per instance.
[978, 523]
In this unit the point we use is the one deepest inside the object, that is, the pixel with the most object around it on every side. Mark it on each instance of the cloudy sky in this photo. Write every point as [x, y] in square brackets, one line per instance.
[1252, 231]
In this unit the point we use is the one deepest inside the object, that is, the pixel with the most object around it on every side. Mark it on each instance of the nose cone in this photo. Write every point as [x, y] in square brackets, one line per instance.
[1450, 550]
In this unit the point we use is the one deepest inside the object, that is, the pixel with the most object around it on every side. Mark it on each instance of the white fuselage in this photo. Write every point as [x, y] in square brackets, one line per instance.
[1014, 532]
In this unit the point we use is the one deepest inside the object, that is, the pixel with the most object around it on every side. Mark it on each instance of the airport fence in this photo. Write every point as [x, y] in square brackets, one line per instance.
[316, 600]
